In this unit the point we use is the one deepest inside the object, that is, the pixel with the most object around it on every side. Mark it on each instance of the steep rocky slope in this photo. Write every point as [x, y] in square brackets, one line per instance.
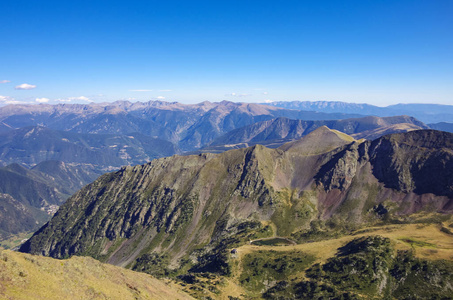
[186, 211]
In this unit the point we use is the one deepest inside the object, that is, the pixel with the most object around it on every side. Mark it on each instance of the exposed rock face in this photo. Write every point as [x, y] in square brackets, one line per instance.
[187, 206]
[339, 172]
[419, 162]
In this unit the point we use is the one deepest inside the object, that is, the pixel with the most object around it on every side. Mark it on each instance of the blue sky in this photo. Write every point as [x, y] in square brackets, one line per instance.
[378, 52]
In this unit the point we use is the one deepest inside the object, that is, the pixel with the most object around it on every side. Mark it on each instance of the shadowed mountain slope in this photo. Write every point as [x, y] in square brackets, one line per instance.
[444, 126]
[15, 217]
[27, 195]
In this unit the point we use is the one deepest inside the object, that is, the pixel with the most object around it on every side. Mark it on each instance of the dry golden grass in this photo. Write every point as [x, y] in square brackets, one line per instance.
[426, 238]
[24, 276]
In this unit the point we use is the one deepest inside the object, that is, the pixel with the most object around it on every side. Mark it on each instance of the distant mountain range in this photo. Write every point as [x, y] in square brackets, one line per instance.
[188, 126]
[427, 113]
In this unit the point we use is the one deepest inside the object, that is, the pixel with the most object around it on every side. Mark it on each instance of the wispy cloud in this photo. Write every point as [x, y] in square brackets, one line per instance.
[160, 97]
[9, 100]
[25, 86]
[238, 95]
[81, 98]
[140, 90]
[265, 93]
[42, 100]
[4, 81]
[74, 99]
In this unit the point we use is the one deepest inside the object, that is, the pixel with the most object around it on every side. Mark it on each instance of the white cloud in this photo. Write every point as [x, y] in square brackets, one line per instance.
[140, 90]
[9, 100]
[4, 81]
[238, 95]
[81, 98]
[265, 93]
[268, 101]
[160, 97]
[164, 90]
[75, 99]
[42, 100]
[4, 98]
[25, 86]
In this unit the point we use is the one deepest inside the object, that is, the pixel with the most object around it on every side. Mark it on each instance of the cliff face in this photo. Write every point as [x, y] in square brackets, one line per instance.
[419, 162]
[187, 207]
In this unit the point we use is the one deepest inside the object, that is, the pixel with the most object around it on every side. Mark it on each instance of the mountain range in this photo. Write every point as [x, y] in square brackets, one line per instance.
[427, 113]
[274, 133]
[185, 216]
[98, 138]
[187, 126]
[185, 207]
[99, 152]
[214, 221]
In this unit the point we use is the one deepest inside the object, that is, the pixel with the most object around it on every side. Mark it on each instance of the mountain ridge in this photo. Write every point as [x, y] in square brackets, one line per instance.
[188, 207]
[281, 130]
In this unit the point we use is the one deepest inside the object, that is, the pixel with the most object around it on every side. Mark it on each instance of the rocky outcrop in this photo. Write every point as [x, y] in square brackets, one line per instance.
[420, 162]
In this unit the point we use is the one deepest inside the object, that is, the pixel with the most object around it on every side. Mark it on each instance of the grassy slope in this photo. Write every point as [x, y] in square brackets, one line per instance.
[24, 276]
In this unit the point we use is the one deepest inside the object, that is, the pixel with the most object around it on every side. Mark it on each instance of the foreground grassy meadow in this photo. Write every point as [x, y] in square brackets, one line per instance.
[254, 266]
